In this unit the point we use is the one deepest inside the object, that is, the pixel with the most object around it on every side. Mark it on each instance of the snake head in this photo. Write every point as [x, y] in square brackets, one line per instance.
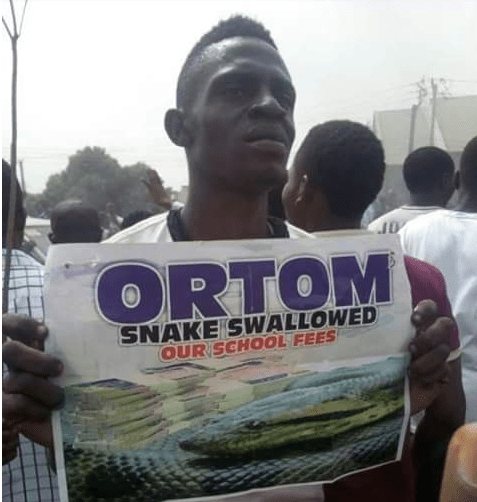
[254, 424]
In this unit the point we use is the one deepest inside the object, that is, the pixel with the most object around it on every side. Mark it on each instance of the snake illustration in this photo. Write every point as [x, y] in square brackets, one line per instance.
[304, 434]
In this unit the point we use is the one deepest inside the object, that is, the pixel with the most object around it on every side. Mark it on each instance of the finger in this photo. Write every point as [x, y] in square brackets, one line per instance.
[422, 397]
[436, 334]
[40, 389]
[24, 329]
[22, 408]
[431, 367]
[38, 432]
[19, 357]
[424, 314]
[154, 176]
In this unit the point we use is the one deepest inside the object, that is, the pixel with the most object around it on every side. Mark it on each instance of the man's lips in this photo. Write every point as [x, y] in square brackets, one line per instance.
[273, 141]
[269, 146]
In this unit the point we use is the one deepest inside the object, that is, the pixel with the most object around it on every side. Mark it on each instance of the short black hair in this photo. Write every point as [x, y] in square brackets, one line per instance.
[73, 221]
[425, 168]
[468, 166]
[346, 161]
[20, 214]
[235, 26]
[134, 217]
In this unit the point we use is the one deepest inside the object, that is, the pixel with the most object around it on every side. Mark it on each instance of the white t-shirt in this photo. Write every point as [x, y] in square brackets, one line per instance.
[392, 222]
[448, 240]
[155, 229]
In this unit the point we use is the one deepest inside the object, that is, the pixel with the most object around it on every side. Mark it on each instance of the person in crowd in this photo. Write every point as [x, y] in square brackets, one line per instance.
[134, 217]
[74, 221]
[448, 239]
[112, 219]
[158, 193]
[337, 172]
[26, 468]
[234, 118]
[428, 173]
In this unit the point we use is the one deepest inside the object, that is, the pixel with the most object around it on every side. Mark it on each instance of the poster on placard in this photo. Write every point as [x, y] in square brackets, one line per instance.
[195, 369]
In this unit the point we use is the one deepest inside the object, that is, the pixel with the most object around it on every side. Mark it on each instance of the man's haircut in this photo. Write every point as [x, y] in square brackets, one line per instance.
[468, 166]
[135, 217]
[425, 168]
[73, 221]
[346, 161]
[235, 26]
[20, 214]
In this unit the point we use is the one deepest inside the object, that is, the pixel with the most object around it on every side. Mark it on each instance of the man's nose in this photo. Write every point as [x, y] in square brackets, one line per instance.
[266, 104]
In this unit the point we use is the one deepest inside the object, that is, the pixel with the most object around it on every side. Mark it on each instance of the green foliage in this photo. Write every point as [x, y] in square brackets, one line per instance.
[96, 178]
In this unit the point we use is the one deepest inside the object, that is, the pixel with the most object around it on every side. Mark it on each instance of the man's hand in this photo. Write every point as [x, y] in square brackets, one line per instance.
[156, 189]
[10, 441]
[430, 348]
[28, 394]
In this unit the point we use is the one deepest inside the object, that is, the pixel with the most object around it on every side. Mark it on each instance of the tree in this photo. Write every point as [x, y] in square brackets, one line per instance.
[96, 178]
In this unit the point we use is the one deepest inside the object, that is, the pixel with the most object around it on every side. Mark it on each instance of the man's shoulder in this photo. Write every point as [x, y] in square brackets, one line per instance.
[429, 222]
[20, 259]
[381, 224]
[427, 281]
[153, 229]
[421, 271]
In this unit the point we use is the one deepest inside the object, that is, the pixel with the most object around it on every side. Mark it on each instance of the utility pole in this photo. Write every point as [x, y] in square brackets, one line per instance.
[22, 177]
[433, 110]
[422, 94]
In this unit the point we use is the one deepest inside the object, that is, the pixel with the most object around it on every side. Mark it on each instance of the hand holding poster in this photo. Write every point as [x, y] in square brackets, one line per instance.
[200, 369]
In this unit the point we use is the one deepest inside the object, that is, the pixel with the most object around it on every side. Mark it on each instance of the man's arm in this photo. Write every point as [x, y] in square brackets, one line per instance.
[28, 394]
[442, 418]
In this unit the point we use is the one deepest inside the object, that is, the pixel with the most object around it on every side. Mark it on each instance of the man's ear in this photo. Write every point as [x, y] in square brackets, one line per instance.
[305, 191]
[174, 122]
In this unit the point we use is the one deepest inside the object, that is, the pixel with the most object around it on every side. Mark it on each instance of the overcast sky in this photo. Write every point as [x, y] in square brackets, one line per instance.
[103, 72]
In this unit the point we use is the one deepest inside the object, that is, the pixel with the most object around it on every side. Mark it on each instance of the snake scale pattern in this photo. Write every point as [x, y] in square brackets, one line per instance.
[327, 439]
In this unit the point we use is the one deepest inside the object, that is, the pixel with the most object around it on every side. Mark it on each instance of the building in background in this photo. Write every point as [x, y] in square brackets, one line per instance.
[455, 123]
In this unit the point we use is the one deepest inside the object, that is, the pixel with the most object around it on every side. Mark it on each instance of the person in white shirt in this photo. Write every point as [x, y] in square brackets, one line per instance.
[428, 173]
[448, 240]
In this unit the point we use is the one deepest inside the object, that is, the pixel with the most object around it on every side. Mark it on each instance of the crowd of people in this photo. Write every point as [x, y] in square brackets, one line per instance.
[234, 118]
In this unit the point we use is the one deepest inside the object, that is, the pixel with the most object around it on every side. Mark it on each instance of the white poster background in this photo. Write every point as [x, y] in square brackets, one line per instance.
[88, 344]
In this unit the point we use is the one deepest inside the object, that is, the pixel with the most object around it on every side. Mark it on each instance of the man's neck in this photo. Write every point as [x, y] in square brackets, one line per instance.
[337, 223]
[427, 199]
[467, 203]
[221, 215]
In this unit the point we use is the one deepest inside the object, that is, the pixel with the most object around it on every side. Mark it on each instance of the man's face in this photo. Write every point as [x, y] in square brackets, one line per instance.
[241, 119]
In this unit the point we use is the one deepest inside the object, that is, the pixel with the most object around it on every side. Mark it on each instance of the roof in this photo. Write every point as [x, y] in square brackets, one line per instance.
[456, 124]
[457, 119]
[37, 222]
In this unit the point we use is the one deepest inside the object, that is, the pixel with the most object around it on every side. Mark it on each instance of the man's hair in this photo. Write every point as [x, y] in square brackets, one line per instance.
[134, 217]
[468, 166]
[235, 26]
[20, 214]
[73, 221]
[425, 168]
[346, 161]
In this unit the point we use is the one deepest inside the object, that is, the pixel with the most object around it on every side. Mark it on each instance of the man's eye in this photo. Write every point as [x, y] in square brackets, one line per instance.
[286, 99]
[234, 90]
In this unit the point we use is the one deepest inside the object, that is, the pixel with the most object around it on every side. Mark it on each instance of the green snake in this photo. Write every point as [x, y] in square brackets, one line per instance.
[304, 434]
